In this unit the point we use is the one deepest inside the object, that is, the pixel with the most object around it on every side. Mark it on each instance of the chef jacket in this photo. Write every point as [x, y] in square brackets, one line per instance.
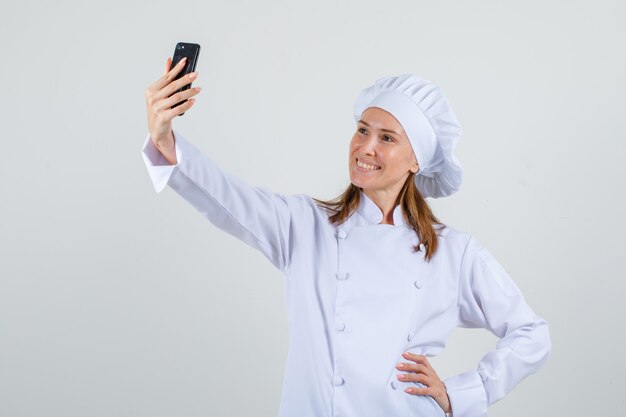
[357, 296]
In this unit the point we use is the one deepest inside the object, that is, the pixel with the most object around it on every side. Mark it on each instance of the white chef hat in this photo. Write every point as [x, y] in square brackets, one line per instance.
[428, 120]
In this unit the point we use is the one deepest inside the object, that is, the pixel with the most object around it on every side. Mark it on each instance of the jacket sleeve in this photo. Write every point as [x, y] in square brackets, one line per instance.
[489, 298]
[257, 216]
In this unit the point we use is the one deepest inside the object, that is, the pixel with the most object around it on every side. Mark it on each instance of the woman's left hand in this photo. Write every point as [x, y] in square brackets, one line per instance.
[421, 371]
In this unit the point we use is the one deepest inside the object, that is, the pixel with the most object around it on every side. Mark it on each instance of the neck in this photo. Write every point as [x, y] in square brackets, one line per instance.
[385, 200]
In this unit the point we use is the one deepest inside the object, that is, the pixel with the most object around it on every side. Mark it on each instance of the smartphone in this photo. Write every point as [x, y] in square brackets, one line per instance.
[191, 51]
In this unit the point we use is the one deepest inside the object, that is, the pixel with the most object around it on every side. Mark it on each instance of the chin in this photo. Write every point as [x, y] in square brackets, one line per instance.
[357, 183]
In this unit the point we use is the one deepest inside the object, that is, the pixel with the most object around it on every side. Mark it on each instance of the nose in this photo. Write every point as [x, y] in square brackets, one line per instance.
[369, 145]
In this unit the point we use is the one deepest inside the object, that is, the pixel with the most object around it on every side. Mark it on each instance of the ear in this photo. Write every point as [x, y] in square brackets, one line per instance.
[416, 165]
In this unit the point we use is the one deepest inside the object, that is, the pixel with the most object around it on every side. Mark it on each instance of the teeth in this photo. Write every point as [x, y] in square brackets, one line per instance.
[366, 166]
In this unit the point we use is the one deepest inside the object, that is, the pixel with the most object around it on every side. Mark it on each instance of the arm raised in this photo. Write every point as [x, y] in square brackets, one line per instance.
[258, 216]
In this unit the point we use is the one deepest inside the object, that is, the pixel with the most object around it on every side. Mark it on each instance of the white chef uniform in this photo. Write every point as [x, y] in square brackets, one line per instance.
[357, 297]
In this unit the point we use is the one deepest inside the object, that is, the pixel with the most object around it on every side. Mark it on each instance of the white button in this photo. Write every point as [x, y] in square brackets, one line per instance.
[342, 276]
[338, 380]
[422, 247]
[342, 234]
[340, 326]
[418, 284]
[409, 337]
[394, 384]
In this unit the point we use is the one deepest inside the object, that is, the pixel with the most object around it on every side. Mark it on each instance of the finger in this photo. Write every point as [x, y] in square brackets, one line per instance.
[177, 85]
[167, 77]
[170, 75]
[170, 114]
[416, 358]
[417, 391]
[413, 367]
[413, 377]
[178, 97]
[172, 87]
[168, 64]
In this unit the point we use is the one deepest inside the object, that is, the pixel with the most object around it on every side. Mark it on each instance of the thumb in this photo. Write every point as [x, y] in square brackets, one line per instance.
[168, 64]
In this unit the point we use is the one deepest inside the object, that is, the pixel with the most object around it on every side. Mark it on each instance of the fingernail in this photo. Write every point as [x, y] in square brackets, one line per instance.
[401, 365]
[193, 75]
[183, 59]
[409, 390]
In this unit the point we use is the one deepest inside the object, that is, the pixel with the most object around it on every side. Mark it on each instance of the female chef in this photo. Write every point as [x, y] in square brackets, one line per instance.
[374, 283]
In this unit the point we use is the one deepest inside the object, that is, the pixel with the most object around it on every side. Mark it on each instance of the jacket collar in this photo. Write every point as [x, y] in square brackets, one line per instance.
[370, 213]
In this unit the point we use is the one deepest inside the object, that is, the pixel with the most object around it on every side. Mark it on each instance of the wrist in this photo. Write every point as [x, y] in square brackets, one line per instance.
[163, 143]
[448, 411]
[163, 139]
[168, 150]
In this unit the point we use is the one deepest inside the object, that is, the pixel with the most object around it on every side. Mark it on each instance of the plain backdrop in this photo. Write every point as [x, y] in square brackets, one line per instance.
[118, 301]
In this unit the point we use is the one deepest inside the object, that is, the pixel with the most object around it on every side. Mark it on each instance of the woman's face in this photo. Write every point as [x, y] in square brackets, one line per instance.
[380, 142]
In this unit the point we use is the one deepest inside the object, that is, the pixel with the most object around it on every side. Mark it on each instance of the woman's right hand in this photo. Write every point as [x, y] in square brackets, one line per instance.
[159, 103]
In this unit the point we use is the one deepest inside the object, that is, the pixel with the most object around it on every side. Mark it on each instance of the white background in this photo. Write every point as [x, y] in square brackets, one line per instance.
[117, 301]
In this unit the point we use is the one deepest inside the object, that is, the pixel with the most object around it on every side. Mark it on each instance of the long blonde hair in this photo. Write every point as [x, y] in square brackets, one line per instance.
[415, 210]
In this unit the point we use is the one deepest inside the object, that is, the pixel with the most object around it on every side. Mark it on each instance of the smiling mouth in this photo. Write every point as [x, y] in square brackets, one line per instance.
[365, 166]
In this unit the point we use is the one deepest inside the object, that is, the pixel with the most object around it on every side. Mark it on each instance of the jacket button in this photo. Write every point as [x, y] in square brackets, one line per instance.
[338, 381]
[342, 276]
[418, 284]
[394, 384]
[340, 326]
[409, 337]
[342, 234]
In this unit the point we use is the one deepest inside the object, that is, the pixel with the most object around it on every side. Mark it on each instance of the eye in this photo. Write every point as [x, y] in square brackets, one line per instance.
[390, 138]
[360, 129]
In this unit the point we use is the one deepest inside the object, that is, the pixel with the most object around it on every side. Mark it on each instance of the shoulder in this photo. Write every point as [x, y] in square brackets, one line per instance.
[319, 210]
[306, 207]
[460, 242]
[450, 235]
[475, 255]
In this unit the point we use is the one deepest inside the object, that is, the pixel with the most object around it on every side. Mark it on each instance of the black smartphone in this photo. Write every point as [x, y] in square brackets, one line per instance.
[191, 51]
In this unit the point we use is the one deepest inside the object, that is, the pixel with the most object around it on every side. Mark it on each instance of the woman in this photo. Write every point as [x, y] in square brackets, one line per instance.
[374, 283]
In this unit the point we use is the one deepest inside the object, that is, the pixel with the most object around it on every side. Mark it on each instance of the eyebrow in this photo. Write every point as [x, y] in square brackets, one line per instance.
[382, 130]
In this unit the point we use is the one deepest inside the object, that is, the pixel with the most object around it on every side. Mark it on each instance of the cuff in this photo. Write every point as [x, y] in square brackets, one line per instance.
[158, 168]
[467, 394]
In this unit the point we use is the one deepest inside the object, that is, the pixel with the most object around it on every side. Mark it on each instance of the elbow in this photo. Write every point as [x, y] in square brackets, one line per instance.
[542, 344]
[532, 344]
[547, 344]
